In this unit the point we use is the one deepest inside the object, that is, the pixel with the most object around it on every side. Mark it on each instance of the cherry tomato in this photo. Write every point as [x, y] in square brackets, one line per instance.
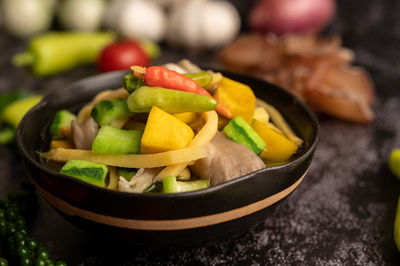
[122, 55]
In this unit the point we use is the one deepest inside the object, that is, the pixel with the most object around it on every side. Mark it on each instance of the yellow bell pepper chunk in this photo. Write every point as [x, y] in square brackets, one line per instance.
[65, 144]
[278, 148]
[164, 132]
[237, 97]
[186, 117]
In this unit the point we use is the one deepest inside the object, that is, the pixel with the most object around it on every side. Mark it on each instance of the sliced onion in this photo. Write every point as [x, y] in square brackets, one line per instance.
[291, 16]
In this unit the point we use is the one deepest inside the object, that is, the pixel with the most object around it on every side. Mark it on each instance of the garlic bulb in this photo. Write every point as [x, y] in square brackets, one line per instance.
[203, 24]
[25, 18]
[81, 15]
[168, 3]
[136, 19]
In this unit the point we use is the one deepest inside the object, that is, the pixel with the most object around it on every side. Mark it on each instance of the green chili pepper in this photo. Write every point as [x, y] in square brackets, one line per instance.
[171, 101]
[14, 112]
[150, 48]
[201, 78]
[9, 97]
[13, 106]
[55, 52]
[7, 134]
[394, 162]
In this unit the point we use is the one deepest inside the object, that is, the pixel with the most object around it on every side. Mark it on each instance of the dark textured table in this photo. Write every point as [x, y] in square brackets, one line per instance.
[342, 213]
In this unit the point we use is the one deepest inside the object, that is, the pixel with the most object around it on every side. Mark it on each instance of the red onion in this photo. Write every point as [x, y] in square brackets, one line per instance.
[291, 16]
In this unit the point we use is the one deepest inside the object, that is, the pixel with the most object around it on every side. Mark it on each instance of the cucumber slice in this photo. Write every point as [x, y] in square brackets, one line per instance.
[127, 173]
[239, 131]
[61, 119]
[113, 140]
[109, 110]
[170, 185]
[89, 172]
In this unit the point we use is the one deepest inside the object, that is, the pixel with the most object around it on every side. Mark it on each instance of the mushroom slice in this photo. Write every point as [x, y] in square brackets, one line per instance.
[140, 182]
[175, 67]
[84, 133]
[226, 160]
[188, 66]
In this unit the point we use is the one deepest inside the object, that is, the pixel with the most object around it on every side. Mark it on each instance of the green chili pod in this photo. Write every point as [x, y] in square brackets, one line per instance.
[394, 162]
[14, 112]
[171, 101]
[56, 52]
[7, 134]
[9, 97]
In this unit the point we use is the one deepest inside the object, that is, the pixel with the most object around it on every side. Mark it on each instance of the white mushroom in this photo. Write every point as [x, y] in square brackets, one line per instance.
[84, 133]
[226, 160]
[139, 182]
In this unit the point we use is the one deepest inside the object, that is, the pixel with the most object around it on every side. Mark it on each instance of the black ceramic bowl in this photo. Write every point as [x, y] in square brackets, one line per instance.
[164, 219]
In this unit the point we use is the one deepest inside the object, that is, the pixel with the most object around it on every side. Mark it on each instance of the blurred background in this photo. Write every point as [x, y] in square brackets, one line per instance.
[297, 44]
[339, 57]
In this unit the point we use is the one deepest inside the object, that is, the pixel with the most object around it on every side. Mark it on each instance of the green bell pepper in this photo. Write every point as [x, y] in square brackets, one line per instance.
[56, 52]
[171, 101]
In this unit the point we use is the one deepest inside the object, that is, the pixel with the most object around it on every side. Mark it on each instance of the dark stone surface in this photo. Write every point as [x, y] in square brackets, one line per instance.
[342, 213]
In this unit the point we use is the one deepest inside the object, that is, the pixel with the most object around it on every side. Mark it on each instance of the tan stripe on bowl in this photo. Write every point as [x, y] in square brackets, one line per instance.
[166, 225]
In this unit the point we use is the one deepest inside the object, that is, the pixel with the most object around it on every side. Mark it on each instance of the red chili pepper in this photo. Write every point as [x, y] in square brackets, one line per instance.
[156, 76]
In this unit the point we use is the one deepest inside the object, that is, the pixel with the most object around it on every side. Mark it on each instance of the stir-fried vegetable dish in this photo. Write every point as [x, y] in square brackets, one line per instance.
[172, 128]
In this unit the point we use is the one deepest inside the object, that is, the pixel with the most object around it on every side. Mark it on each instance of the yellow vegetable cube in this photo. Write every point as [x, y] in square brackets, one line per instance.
[186, 117]
[65, 144]
[164, 132]
[237, 97]
[278, 148]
